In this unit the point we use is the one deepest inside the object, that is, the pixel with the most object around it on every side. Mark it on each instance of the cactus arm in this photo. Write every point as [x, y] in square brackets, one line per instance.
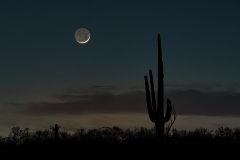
[149, 103]
[169, 111]
[154, 105]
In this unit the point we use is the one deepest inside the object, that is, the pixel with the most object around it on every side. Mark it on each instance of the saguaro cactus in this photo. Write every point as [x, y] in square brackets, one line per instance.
[156, 109]
[56, 128]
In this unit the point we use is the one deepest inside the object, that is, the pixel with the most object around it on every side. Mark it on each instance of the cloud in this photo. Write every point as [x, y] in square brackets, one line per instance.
[209, 100]
[95, 99]
[114, 99]
[98, 106]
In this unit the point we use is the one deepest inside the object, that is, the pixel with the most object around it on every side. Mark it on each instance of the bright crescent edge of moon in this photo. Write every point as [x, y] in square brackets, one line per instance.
[84, 41]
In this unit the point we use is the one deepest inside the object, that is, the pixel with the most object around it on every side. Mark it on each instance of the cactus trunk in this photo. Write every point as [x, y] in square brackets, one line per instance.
[56, 132]
[160, 128]
[156, 110]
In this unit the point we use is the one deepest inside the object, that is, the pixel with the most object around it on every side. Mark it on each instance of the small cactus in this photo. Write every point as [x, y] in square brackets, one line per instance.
[56, 132]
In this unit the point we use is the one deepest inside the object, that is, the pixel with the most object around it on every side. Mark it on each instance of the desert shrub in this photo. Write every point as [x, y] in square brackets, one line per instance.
[178, 136]
[18, 137]
[236, 135]
[224, 135]
[199, 135]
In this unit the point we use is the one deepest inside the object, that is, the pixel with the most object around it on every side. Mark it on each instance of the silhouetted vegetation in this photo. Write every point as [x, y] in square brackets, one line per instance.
[116, 136]
[156, 109]
[107, 141]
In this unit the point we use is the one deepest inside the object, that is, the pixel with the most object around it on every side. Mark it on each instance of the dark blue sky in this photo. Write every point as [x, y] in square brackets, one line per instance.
[41, 63]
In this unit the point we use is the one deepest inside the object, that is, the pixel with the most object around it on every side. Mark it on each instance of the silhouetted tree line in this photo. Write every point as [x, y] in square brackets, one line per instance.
[114, 135]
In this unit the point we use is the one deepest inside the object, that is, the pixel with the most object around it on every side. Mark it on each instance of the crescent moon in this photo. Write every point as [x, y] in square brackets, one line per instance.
[82, 35]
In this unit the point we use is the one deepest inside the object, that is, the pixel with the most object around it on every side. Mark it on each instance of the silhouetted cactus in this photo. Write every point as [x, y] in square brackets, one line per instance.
[156, 110]
[56, 132]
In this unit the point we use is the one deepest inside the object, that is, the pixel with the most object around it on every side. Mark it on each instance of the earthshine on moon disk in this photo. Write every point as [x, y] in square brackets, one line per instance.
[82, 35]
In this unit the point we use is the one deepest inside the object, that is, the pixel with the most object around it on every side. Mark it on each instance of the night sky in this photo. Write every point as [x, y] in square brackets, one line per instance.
[46, 77]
